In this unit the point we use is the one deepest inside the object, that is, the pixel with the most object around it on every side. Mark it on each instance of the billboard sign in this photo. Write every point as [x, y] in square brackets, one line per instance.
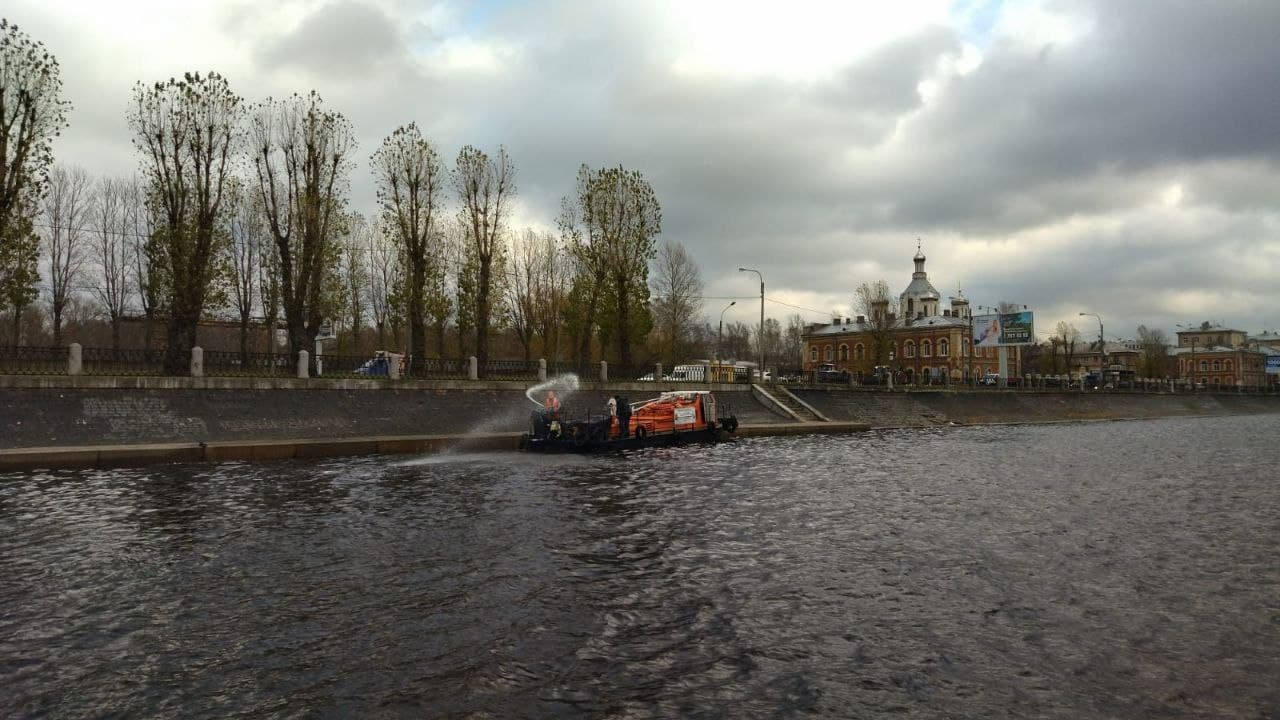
[1273, 364]
[1016, 328]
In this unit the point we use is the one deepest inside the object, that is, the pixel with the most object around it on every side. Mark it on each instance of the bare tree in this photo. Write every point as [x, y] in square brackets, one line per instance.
[269, 292]
[32, 114]
[410, 182]
[186, 131]
[580, 315]
[354, 273]
[384, 275]
[737, 341]
[67, 206]
[677, 291]
[146, 248]
[248, 232]
[485, 187]
[793, 344]
[872, 301]
[437, 293]
[1067, 336]
[770, 345]
[301, 153]
[113, 250]
[550, 293]
[1155, 351]
[520, 301]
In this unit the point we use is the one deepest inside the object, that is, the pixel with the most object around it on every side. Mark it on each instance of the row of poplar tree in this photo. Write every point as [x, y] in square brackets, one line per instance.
[243, 207]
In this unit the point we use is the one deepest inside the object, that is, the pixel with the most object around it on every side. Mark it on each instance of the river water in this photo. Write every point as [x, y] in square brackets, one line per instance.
[1101, 570]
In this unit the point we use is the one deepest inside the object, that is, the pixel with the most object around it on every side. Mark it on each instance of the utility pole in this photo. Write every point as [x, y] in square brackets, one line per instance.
[720, 330]
[760, 337]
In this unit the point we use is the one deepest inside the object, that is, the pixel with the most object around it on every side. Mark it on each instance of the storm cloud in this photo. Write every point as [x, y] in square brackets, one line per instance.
[1117, 157]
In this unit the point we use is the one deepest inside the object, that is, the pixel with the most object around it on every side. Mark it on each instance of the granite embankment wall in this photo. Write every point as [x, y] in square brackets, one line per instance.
[61, 413]
[921, 408]
[78, 422]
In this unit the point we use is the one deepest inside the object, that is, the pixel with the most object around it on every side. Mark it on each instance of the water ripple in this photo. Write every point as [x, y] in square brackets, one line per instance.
[1091, 570]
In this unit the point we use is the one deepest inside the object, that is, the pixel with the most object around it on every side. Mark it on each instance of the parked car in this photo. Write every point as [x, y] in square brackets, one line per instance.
[381, 364]
[989, 379]
[828, 372]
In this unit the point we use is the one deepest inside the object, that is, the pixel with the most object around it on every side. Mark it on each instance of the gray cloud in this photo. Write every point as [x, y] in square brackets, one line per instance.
[346, 39]
[1133, 171]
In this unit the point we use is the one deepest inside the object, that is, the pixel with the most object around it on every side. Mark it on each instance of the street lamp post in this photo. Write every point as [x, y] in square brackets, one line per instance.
[760, 337]
[1102, 351]
[720, 330]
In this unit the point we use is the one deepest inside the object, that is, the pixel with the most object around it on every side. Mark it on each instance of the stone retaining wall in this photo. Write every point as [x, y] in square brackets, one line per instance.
[44, 414]
[72, 415]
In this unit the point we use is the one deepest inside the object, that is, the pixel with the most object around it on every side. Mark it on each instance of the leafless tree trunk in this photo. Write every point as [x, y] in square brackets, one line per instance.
[355, 275]
[244, 254]
[186, 131]
[301, 153]
[677, 290]
[67, 207]
[1068, 336]
[384, 275]
[485, 187]
[113, 247]
[147, 252]
[524, 267]
[410, 182]
[551, 293]
[872, 300]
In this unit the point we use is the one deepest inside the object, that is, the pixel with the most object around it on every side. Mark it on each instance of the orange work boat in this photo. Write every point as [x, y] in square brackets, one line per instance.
[673, 417]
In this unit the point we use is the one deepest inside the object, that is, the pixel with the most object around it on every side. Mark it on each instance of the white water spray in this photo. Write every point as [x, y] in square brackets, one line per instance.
[564, 385]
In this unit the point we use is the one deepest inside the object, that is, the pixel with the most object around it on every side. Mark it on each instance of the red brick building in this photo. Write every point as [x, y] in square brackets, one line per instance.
[922, 342]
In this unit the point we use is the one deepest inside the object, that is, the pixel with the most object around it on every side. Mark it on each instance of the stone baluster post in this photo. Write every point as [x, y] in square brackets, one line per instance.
[604, 371]
[473, 368]
[542, 370]
[304, 362]
[197, 361]
[75, 359]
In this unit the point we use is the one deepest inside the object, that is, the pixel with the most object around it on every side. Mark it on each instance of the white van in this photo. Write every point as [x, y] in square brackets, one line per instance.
[687, 373]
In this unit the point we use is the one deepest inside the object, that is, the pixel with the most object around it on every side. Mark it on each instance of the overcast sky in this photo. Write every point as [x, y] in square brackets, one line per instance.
[1115, 157]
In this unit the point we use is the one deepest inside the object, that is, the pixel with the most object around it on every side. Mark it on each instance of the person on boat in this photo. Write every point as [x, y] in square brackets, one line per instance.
[624, 417]
[551, 406]
[612, 422]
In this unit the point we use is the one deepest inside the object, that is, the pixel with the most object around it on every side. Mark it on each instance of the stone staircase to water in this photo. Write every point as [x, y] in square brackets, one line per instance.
[793, 404]
[878, 409]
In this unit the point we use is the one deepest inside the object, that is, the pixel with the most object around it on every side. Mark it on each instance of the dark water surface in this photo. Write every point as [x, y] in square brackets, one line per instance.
[1109, 570]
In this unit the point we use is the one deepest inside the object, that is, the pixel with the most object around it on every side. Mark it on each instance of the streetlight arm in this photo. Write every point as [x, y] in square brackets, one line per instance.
[760, 338]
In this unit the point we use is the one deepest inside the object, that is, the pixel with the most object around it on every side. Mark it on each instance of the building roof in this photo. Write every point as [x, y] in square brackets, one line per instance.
[1210, 349]
[853, 326]
[1209, 329]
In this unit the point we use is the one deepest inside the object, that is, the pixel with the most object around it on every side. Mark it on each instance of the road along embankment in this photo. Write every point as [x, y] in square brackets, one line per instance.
[60, 422]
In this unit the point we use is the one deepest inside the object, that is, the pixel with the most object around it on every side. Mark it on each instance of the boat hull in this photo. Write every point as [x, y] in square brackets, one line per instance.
[583, 442]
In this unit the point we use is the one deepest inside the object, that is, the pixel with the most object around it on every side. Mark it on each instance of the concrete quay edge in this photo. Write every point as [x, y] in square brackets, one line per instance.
[115, 456]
